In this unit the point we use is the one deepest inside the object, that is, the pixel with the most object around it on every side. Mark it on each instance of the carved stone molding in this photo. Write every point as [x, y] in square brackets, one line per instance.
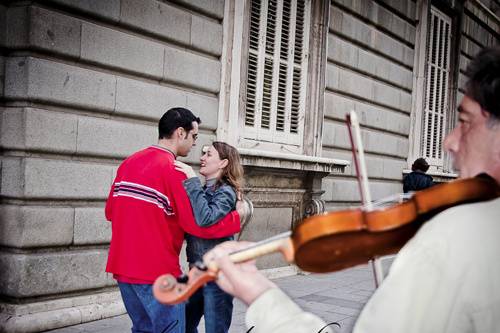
[313, 207]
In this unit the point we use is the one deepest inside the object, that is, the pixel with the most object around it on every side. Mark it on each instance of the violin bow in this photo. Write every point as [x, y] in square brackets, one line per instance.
[359, 163]
[354, 130]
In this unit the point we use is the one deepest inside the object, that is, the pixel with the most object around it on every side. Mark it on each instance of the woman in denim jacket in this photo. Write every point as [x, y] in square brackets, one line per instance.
[220, 165]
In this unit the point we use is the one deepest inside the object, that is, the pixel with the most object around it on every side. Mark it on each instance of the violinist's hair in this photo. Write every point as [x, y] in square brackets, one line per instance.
[175, 118]
[483, 84]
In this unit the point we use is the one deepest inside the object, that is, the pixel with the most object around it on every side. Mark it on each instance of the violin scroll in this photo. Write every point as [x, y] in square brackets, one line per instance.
[169, 290]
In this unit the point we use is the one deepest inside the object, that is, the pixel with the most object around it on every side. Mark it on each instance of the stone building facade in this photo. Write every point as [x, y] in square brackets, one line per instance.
[83, 84]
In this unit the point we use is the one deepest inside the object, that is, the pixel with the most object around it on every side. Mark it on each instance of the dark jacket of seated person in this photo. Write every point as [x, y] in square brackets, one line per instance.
[417, 179]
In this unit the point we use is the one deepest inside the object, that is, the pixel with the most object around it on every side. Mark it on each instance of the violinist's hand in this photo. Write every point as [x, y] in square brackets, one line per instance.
[242, 280]
[184, 168]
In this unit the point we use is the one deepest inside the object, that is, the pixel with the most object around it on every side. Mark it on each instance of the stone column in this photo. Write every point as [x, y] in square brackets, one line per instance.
[284, 189]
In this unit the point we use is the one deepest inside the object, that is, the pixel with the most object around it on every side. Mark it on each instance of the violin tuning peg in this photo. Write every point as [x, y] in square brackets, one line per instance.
[182, 278]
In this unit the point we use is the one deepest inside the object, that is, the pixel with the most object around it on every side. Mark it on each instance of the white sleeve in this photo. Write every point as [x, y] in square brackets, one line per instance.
[406, 299]
[275, 312]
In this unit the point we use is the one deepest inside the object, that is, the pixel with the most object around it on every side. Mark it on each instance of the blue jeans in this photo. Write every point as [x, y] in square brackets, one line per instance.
[147, 314]
[215, 304]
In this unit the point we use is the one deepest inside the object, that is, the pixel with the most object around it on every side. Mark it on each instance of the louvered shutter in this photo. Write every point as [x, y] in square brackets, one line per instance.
[276, 70]
[437, 81]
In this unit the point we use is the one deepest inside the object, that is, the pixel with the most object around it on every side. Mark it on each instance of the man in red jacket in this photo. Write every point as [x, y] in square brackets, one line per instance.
[150, 212]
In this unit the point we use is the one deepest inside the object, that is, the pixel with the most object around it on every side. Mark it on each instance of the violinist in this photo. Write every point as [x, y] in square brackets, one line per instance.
[447, 277]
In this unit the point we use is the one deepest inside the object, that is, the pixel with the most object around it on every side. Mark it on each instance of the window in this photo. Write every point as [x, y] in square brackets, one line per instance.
[436, 103]
[276, 77]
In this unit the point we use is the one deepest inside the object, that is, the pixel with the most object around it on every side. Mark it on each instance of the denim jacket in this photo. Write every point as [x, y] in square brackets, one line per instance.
[209, 204]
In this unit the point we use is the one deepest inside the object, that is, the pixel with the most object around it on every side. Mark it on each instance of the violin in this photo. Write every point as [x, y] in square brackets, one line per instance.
[336, 240]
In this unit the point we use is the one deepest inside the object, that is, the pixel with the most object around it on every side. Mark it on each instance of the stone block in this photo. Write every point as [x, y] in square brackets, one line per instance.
[385, 69]
[12, 128]
[385, 144]
[385, 18]
[43, 80]
[407, 8]
[205, 107]
[335, 135]
[337, 106]
[342, 51]
[109, 9]
[213, 8]
[158, 18]
[332, 77]
[54, 32]
[17, 25]
[348, 26]
[356, 84]
[11, 180]
[341, 190]
[97, 136]
[113, 48]
[91, 226]
[37, 129]
[376, 142]
[366, 61]
[3, 25]
[463, 63]
[51, 319]
[42, 178]
[146, 100]
[378, 167]
[35, 226]
[267, 222]
[206, 35]
[405, 101]
[192, 70]
[385, 94]
[2, 73]
[37, 274]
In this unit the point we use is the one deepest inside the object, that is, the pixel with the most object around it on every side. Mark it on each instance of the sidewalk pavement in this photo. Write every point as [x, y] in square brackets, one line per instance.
[335, 297]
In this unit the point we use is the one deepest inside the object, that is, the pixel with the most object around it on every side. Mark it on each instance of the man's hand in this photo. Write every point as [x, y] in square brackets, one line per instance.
[242, 280]
[184, 168]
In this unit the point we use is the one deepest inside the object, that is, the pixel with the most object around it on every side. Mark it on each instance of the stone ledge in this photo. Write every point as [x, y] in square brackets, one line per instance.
[439, 177]
[277, 160]
[41, 316]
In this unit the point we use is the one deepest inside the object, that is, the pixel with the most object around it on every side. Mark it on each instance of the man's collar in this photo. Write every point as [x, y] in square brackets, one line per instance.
[164, 149]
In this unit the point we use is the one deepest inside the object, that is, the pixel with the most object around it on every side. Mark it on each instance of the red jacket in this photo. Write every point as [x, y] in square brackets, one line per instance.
[150, 211]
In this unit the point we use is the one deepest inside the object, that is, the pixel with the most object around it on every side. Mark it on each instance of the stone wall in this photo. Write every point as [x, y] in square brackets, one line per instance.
[83, 85]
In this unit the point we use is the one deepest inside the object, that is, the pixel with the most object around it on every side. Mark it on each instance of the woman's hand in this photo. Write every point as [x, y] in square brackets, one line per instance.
[184, 168]
[242, 280]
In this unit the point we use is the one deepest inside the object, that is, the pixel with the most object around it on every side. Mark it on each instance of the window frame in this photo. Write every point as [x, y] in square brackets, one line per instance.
[234, 76]
[420, 77]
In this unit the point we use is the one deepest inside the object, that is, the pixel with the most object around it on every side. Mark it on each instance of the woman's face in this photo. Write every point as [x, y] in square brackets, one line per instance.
[210, 163]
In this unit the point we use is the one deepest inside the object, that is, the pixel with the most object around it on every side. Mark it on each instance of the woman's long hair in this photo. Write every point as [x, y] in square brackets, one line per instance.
[233, 172]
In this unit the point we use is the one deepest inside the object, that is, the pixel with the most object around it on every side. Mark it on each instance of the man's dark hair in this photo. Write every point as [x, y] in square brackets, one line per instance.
[420, 164]
[483, 84]
[175, 118]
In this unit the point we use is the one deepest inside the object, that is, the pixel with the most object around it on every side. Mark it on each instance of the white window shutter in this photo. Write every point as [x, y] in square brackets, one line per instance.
[437, 89]
[277, 70]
